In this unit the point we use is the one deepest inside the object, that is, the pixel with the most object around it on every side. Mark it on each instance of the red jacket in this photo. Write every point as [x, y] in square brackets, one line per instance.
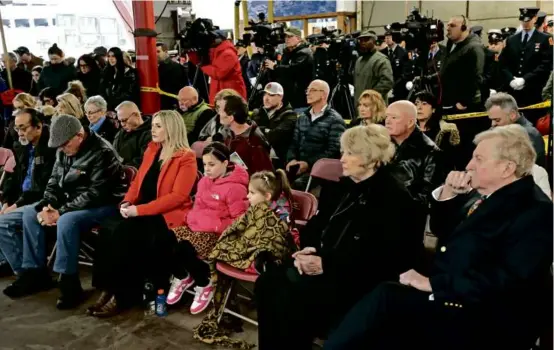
[223, 69]
[219, 202]
[177, 177]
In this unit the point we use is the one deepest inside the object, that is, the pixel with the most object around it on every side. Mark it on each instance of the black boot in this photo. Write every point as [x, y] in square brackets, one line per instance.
[29, 282]
[71, 292]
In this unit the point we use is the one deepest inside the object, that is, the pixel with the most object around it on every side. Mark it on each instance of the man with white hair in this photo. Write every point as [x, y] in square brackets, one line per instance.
[491, 285]
[418, 161]
[316, 135]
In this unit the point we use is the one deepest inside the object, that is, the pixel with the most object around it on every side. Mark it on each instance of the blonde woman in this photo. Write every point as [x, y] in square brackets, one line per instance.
[77, 89]
[69, 104]
[138, 244]
[295, 294]
[371, 109]
[20, 101]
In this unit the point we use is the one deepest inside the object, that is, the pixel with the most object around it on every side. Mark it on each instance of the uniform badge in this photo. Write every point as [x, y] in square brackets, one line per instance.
[537, 47]
[550, 41]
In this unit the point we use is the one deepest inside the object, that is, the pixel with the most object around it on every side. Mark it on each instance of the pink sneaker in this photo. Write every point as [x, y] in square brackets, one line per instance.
[178, 288]
[202, 298]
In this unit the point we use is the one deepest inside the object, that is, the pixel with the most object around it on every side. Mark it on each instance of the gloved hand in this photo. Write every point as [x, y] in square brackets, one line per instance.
[409, 85]
[492, 92]
[517, 83]
[390, 94]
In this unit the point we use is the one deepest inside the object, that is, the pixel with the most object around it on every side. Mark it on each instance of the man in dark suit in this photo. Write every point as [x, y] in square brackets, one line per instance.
[527, 60]
[490, 286]
[401, 68]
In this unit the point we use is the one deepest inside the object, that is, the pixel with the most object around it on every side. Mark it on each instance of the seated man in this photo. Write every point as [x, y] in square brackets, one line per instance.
[34, 162]
[247, 140]
[316, 134]
[503, 110]
[135, 134]
[418, 160]
[83, 189]
[277, 121]
[491, 284]
[196, 112]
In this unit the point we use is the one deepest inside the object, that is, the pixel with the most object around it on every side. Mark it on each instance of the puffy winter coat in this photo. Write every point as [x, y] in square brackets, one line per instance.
[219, 202]
[223, 69]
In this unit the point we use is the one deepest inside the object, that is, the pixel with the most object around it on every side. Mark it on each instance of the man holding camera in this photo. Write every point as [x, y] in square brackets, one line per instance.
[296, 68]
[223, 67]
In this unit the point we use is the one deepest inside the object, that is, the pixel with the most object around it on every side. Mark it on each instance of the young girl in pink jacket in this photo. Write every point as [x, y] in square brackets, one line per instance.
[220, 199]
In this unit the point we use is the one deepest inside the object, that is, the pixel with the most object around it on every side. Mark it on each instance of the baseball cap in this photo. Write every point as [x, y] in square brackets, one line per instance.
[293, 31]
[274, 89]
[368, 34]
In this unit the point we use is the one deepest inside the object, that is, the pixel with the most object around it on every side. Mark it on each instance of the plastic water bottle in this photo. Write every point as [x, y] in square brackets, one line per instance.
[161, 306]
[149, 299]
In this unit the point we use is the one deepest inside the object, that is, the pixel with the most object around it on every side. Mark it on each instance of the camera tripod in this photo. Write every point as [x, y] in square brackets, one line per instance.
[204, 80]
[341, 100]
[254, 90]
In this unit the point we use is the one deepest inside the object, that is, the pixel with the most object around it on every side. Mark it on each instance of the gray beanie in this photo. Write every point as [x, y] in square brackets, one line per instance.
[64, 127]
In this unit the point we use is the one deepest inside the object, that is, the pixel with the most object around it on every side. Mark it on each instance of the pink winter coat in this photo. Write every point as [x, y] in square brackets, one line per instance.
[219, 202]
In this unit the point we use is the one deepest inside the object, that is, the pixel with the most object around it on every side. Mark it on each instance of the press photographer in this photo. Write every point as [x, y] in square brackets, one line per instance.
[295, 71]
[209, 49]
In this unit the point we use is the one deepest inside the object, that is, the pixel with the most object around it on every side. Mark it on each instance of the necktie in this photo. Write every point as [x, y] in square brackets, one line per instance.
[390, 53]
[525, 38]
[475, 205]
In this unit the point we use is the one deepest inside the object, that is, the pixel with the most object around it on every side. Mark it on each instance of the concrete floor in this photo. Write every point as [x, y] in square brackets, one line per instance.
[34, 323]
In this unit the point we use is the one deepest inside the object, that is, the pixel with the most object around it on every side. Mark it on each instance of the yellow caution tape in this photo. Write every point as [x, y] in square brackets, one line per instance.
[484, 114]
[158, 91]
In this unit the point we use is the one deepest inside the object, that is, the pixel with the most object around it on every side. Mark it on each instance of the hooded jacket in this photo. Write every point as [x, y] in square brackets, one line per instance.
[223, 69]
[219, 202]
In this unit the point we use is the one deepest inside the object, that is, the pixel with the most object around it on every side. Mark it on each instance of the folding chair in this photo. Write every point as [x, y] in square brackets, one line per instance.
[7, 162]
[326, 169]
[86, 251]
[304, 207]
[239, 275]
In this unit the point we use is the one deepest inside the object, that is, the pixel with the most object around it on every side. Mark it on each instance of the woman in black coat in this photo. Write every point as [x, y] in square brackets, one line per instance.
[362, 235]
[89, 74]
[56, 74]
[120, 81]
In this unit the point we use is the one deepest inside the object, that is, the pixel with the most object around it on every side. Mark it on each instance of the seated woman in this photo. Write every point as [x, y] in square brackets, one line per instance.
[69, 104]
[445, 135]
[371, 109]
[138, 245]
[96, 108]
[219, 200]
[363, 234]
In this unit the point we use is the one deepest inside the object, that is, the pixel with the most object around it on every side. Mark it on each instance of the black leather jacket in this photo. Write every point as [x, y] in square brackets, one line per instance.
[117, 91]
[90, 179]
[419, 164]
[44, 158]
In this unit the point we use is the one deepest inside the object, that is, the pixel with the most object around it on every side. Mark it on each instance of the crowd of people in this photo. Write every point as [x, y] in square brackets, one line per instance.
[204, 180]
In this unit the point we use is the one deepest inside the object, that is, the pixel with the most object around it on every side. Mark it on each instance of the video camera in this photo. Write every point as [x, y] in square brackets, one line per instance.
[418, 31]
[342, 48]
[198, 36]
[266, 35]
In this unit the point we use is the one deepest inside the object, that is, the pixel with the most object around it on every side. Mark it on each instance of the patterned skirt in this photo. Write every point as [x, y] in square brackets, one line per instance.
[203, 242]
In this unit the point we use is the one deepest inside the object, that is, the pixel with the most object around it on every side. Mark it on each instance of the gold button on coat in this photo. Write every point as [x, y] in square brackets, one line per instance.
[443, 249]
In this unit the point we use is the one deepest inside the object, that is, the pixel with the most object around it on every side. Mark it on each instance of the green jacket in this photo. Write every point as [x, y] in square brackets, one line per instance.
[373, 71]
[196, 118]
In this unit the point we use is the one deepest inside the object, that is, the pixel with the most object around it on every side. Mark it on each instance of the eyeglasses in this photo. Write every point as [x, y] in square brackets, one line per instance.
[126, 120]
[83, 65]
[21, 128]
[92, 112]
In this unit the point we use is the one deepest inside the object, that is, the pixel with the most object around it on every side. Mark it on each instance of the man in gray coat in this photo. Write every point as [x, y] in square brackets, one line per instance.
[373, 69]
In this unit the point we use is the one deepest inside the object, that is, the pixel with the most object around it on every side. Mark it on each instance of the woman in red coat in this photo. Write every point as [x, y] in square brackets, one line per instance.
[223, 68]
[137, 246]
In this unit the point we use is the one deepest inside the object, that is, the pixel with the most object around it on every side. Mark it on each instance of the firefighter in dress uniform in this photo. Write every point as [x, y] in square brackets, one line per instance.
[492, 76]
[527, 62]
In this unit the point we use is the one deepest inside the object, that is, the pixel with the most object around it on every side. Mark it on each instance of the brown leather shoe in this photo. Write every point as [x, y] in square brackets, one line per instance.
[109, 309]
[102, 300]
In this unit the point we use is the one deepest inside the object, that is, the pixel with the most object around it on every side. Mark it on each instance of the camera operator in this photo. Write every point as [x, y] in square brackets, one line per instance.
[373, 70]
[296, 68]
[401, 65]
[462, 68]
[244, 63]
[223, 67]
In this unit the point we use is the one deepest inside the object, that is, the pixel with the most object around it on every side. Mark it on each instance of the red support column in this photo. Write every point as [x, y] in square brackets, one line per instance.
[147, 62]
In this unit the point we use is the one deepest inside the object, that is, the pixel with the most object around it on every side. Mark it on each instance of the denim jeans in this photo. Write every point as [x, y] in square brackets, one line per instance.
[68, 238]
[11, 240]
